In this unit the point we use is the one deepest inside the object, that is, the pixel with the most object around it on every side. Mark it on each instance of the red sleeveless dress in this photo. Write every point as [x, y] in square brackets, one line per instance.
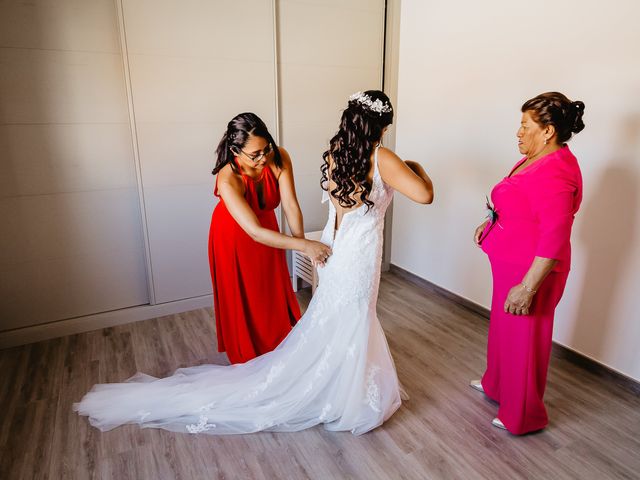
[254, 302]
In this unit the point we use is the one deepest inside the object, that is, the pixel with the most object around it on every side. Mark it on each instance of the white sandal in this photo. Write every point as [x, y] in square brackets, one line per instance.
[476, 385]
[496, 422]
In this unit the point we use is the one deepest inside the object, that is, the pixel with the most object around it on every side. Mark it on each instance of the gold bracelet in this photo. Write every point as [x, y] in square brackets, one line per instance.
[528, 288]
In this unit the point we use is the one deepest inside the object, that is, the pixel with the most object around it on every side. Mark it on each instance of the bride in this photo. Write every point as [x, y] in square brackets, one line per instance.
[334, 367]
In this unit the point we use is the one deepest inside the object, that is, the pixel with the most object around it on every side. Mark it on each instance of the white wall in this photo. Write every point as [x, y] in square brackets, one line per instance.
[465, 70]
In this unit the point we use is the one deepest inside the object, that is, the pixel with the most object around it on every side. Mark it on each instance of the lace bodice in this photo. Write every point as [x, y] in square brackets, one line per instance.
[354, 267]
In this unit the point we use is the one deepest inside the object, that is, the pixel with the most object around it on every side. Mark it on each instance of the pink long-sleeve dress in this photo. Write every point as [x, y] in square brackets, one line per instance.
[535, 210]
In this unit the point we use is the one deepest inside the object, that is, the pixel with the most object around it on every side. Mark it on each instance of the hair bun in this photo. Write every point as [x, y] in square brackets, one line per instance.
[578, 111]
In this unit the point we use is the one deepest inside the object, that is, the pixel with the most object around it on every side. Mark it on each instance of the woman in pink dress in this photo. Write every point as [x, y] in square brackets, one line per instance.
[527, 239]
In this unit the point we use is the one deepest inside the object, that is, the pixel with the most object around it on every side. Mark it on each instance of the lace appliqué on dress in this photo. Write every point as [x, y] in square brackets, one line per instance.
[201, 426]
[323, 366]
[373, 391]
[324, 413]
[143, 415]
[274, 372]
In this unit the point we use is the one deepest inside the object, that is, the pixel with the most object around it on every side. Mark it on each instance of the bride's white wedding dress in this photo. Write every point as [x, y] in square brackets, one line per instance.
[333, 368]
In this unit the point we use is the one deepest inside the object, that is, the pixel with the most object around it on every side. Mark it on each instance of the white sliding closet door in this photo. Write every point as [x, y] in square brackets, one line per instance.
[329, 49]
[194, 65]
[71, 234]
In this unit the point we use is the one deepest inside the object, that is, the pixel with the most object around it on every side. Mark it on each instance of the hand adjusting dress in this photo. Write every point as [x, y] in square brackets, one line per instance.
[334, 368]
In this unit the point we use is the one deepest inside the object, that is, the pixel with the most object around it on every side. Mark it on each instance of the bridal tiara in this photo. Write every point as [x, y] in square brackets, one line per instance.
[373, 105]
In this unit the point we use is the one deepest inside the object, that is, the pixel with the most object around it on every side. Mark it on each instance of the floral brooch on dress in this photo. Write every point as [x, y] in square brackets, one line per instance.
[492, 213]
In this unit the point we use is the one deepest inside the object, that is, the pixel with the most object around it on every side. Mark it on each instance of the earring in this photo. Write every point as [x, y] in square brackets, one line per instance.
[546, 140]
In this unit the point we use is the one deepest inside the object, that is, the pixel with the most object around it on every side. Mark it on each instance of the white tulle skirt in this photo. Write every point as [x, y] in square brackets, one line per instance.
[334, 368]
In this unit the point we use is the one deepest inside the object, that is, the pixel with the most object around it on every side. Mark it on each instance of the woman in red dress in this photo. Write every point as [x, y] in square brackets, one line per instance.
[255, 306]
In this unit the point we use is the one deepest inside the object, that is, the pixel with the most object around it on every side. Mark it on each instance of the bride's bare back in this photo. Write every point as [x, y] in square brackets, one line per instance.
[408, 178]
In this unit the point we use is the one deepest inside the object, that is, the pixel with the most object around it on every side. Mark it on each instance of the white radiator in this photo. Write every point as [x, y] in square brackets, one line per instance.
[302, 266]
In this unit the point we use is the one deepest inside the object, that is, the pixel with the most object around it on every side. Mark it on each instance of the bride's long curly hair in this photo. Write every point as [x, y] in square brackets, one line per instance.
[350, 149]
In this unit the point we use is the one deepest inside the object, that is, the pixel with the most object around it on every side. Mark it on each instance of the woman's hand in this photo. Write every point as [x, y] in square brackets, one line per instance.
[318, 252]
[520, 297]
[518, 300]
[479, 230]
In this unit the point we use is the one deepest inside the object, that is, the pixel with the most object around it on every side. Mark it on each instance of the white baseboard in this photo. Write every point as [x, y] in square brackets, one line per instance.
[61, 328]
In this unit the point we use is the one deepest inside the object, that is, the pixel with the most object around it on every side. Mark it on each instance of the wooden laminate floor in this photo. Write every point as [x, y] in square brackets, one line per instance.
[442, 432]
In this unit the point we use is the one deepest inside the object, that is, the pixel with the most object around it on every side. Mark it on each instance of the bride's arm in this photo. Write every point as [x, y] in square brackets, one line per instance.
[408, 178]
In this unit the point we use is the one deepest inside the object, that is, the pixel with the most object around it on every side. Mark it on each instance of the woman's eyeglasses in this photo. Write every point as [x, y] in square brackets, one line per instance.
[256, 158]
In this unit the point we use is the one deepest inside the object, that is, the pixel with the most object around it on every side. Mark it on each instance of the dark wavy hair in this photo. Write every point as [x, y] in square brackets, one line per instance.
[350, 148]
[236, 136]
[554, 108]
